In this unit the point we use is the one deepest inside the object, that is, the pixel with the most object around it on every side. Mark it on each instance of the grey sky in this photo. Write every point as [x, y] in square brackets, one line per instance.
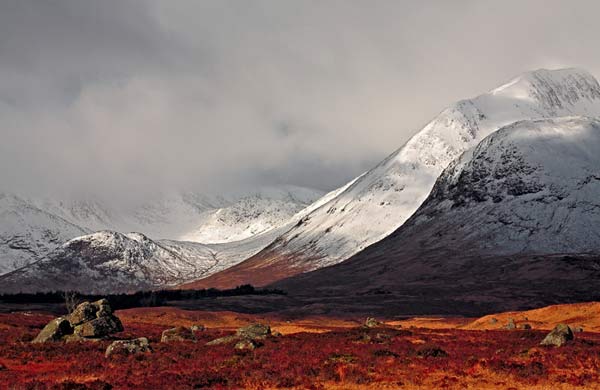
[129, 98]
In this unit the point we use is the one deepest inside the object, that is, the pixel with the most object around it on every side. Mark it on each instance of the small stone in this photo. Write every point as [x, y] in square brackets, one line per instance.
[246, 345]
[510, 325]
[254, 331]
[525, 326]
[372, 323]
[127, 347]
[276, 334]
[578, 329]
[198, 328]
[178, 333]
[559, 336]
[54, 330]
[493, 321]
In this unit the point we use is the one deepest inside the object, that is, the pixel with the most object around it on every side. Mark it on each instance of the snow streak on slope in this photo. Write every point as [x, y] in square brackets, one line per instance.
[379, 201]
[253, 214]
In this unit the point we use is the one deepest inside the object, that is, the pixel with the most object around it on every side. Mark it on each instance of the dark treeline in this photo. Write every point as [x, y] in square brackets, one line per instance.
[138, 299]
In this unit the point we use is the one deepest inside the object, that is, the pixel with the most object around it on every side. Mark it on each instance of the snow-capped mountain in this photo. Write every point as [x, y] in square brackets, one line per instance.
[514, 222]
[110, 261]
[375, 204]
[31, 228]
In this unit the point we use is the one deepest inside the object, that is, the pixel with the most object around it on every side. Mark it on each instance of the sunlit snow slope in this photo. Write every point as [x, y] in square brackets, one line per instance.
[512, 223]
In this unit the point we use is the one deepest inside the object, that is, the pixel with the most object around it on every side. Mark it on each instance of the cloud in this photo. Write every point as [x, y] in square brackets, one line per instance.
[126, 99]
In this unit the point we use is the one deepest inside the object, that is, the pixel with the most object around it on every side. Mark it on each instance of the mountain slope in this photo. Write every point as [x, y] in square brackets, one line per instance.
[513, 223]
[32, 228]
[379, 201]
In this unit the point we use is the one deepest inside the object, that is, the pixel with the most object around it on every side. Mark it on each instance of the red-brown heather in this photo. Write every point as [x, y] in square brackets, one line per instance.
[313, 353]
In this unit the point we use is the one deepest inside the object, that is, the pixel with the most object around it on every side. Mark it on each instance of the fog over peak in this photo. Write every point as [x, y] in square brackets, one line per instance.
[127, 99]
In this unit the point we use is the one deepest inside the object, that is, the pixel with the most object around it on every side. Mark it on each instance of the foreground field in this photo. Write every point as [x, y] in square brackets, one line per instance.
[313, 353]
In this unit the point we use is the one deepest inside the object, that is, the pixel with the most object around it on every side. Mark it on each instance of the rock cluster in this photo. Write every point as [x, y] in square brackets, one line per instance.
[89, 321]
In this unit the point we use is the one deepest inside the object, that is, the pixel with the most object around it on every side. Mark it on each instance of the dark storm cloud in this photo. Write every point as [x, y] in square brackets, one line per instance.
[128, 98]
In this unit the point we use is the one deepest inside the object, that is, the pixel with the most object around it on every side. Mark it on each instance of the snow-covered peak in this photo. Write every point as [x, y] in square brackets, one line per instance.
[531, 187]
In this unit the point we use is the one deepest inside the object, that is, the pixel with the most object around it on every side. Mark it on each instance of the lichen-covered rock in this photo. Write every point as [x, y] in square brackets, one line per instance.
[178, 333]
[99, 327]
[127, 347]
[254, 331]
[83, 312]
[559, 336]
[55, 330]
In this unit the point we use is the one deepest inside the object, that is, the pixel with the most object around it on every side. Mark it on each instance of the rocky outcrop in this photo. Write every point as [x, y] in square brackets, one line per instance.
[128, 347]
[89, 321]
[559, 336]
[247, 337]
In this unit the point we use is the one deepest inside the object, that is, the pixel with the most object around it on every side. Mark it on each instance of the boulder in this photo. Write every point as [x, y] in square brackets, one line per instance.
[178, 333]
[559, 336]
[127, 347]
[372, 323]
[55, 330]
[254, 331]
